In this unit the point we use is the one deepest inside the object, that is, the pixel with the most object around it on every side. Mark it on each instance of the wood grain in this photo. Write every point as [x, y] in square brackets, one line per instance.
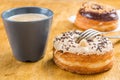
[45, 69]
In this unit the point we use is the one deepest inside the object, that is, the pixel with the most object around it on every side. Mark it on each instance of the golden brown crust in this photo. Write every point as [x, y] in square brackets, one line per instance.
[83, 70]
[72, 58]
[84, 58]
[86, 23]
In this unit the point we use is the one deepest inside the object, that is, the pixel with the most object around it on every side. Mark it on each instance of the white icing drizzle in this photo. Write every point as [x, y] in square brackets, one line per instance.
[66, 43]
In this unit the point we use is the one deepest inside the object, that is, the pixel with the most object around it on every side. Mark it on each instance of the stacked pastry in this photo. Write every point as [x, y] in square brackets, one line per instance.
[96, 16]
[89, 56]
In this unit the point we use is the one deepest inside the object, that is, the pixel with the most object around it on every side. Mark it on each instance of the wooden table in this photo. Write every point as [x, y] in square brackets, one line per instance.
[45, 69]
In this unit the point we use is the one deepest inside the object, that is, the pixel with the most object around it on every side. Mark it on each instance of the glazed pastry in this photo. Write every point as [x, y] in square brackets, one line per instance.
[96, 16]
[89, 56]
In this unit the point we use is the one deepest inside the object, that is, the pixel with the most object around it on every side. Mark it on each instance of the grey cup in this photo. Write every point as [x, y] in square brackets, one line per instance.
[27, 39]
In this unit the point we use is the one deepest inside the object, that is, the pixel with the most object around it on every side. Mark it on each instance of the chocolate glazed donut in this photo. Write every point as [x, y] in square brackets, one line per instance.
[105, 16]
[96, 16]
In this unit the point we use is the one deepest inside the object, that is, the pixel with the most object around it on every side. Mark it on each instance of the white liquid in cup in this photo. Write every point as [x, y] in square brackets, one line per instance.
[27, 17]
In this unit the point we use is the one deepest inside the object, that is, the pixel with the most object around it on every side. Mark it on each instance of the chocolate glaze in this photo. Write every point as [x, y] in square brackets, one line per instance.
[106, 16]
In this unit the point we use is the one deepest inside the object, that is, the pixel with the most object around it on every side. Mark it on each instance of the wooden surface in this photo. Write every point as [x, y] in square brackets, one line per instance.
[45, 69]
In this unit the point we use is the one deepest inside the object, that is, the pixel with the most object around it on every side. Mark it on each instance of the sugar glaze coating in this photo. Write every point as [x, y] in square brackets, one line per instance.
[66, 43]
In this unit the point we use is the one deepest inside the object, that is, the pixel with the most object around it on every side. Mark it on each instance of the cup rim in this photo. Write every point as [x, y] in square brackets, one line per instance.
[48, 17]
